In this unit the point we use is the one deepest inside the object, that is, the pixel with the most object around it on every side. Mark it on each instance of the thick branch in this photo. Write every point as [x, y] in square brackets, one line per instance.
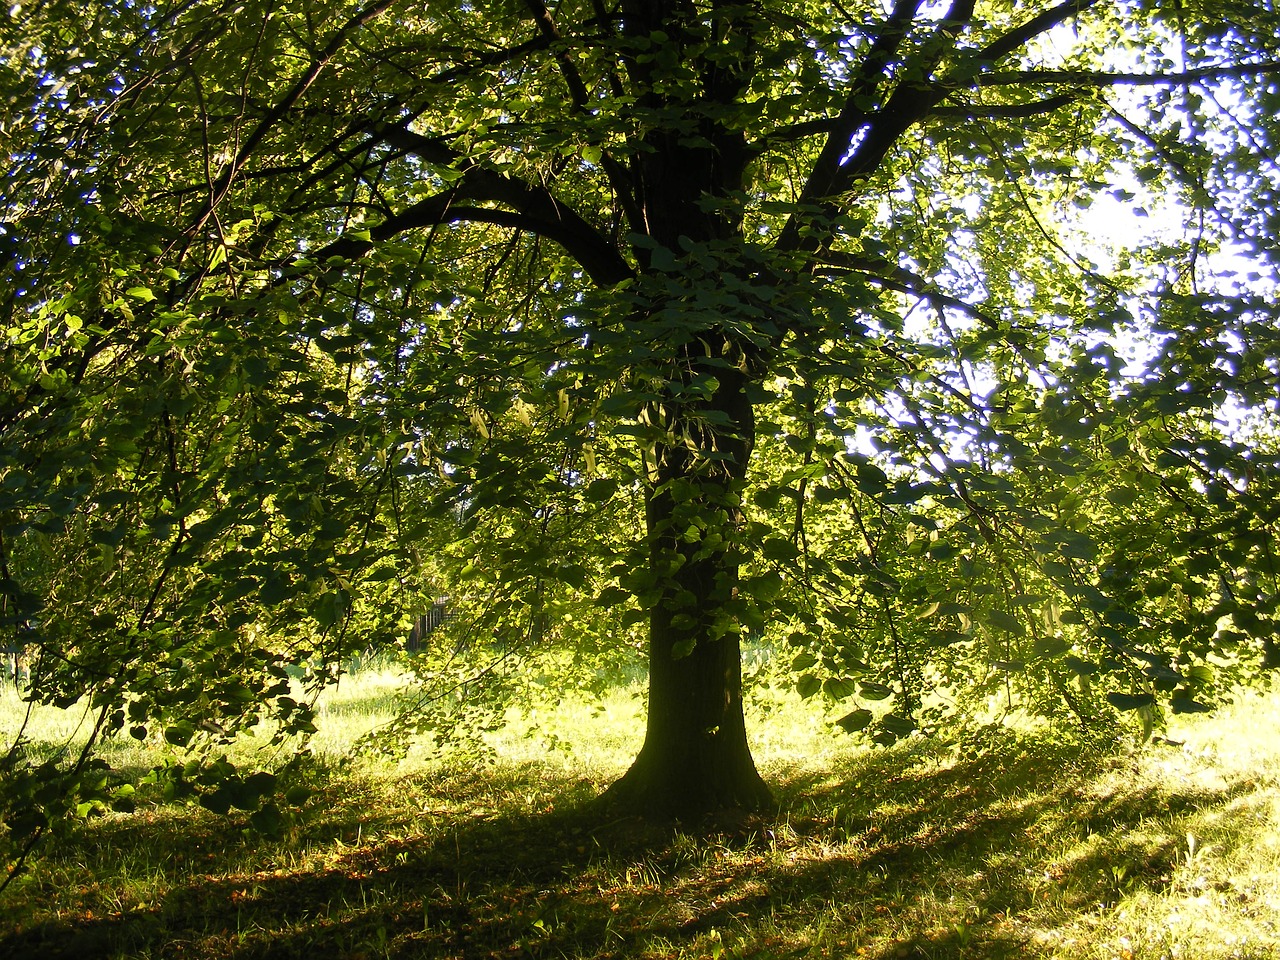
[547, 27]
[839, 165]
[853, 115]
[535, 207]
[1019, 37]
[595, 254]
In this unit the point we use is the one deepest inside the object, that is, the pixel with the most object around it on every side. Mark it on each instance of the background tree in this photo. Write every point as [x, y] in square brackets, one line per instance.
[751, 316]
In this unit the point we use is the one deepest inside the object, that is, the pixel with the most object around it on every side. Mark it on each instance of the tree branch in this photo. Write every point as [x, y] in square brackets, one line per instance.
[597, 257]
[853, 115]
[547, 27]
[1019, 37]
[536, 208]
[1007, 110]
[616, 173]
[841, 163]
[1095, 78]
[891, 276]
[273, 116]
[810, 128]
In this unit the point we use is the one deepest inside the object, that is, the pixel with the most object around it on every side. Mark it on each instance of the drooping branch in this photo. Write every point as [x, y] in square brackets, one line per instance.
[277, 112]
[890, 276]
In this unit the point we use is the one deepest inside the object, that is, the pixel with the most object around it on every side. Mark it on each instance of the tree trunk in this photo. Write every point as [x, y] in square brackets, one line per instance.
[695, 758]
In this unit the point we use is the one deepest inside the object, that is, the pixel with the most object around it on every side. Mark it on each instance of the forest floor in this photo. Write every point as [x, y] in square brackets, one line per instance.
[1007, 844]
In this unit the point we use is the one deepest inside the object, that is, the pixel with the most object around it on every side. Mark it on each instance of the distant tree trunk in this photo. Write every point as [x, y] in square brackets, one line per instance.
[695, 758]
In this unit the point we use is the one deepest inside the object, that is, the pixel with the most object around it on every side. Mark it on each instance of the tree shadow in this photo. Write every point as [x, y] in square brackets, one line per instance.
[894, 854]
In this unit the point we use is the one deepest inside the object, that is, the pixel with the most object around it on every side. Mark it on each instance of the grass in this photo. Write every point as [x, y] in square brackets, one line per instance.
[1007, 845]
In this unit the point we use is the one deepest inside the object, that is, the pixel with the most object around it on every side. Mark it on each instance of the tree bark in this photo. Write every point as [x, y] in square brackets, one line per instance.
[695, 759]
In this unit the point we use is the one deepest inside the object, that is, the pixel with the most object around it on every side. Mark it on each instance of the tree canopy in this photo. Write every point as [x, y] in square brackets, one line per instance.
[654, 324]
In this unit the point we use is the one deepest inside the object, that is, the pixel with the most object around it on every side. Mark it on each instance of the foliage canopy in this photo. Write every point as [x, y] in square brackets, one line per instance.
[652, 323]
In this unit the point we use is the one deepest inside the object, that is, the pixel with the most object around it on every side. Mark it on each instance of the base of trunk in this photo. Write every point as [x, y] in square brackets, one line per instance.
[661, 787]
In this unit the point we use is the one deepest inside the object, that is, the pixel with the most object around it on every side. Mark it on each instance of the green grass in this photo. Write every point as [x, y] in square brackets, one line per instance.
[1006, 845]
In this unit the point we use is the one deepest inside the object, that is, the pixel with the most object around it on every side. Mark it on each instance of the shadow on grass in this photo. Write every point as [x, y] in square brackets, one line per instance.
[895, 855]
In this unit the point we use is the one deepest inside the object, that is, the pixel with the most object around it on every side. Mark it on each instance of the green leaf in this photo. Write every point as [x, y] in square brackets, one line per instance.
[601, 490]
[612, 597]
[219, 801]
[268, 820]
[1082, 668]
[836, 688]
[779, 549]
[239, 693]
[803, 661]
[329, 608]
[262, 783]
[855, 721]
[1078, 546]
[1129, 701]
[297, 795]
[1004, 621]
[1050, 648]
[899, 726]
[871, 479]
[764, 588]
[180, 733]
[1200, 673]
[1122, 496]
[663, 260]
[871, 690]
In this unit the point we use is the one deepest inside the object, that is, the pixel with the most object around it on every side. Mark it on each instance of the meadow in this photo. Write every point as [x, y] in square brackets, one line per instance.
[1003, 843]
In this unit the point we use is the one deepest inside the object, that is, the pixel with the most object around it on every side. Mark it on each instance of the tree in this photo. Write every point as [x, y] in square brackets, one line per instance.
[801, 286]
